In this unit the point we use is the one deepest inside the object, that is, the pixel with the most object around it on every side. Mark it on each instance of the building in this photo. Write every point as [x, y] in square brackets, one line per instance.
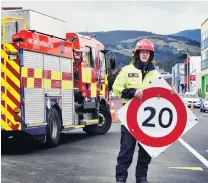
[192, 80]
[204, 57]
[178, 77]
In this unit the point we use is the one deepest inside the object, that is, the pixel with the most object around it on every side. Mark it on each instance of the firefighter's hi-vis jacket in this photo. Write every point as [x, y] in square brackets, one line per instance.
[133, 77]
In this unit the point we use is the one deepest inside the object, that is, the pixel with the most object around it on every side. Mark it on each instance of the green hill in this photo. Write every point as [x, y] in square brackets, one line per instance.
[191, 34]
[166, 55]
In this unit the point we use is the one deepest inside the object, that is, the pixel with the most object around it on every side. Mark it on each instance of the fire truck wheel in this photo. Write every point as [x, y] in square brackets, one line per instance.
[104, 125]
[105, 120]
[53, 128]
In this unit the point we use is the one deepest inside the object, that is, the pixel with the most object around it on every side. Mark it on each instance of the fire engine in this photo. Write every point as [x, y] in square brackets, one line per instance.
[53, 81]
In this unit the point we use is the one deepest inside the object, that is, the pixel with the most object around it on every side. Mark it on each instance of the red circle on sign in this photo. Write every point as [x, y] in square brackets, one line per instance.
[156, 141]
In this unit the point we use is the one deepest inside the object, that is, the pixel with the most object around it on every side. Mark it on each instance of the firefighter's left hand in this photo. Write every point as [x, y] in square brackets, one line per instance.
[173, 90]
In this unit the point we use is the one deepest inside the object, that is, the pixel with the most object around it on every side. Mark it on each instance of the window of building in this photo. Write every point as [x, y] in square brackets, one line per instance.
[202, 37]
[204, 44]
[204, 64]
[203, 56]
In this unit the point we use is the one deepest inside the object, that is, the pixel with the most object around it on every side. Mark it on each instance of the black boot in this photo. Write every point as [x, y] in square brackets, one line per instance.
[141, 180]
[120, 180]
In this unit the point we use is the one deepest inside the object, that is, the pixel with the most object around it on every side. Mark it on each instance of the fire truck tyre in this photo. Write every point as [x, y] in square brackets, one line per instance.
[105, 120]
[104, 125]
[53, 128]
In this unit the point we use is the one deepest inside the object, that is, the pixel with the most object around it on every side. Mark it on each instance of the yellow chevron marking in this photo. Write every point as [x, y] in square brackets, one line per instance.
[12, 77]
[11, 118]
[10, 89]
[3, 111]
[9, 102]
[11, 62]
[10, 47]
[4, 125]
[188, 168]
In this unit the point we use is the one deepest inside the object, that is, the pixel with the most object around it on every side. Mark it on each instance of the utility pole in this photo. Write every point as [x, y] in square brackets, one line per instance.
[187, 70]
[178, 78]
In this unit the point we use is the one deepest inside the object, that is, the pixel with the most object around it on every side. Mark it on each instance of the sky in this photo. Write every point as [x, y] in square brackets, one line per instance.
[161, 17]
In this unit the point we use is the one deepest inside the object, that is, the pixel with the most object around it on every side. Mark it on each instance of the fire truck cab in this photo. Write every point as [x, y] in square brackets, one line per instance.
[51, 84]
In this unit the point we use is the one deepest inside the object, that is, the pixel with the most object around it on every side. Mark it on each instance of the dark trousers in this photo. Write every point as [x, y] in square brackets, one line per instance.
[125, 156]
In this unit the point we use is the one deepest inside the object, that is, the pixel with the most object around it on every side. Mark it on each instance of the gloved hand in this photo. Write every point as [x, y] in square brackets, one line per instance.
[138, 94]
[173, 90]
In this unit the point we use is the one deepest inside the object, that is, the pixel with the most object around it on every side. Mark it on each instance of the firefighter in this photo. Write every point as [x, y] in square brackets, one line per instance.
[128, 84]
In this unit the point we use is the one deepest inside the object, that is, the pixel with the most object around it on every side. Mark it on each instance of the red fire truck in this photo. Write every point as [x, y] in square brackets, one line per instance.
[51, 83]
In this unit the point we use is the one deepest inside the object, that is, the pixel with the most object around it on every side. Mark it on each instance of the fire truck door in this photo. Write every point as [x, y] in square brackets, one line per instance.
[34, 94]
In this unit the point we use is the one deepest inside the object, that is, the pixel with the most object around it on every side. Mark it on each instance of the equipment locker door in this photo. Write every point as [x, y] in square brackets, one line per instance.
[34, 95]
[68, 113]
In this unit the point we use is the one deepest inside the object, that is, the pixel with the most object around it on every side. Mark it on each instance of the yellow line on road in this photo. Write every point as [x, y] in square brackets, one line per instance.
[188, 168]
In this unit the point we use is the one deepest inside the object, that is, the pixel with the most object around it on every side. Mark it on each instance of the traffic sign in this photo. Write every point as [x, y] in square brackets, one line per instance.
[158, 119]
[192, 77]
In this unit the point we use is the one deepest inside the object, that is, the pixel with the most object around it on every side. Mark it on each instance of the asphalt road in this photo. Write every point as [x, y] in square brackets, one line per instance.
[84, 159]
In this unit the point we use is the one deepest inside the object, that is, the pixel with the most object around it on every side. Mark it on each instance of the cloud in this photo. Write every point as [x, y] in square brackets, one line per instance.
[163, 17]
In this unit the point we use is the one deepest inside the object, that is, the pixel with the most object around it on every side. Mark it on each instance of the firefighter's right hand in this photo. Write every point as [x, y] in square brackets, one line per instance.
[138, 94]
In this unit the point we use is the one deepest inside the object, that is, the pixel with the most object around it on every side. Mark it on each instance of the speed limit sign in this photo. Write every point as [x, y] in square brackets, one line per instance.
[158, 119]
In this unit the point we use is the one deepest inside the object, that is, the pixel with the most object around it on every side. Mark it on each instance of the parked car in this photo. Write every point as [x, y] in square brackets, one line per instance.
[189, 98]
[204, 105]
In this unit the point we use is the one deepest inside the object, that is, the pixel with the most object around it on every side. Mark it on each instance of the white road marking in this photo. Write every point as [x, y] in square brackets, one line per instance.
[194, 152]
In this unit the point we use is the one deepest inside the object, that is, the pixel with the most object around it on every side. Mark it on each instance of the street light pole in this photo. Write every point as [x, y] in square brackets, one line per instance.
[178, 78]
[187, 85]
[187, 80]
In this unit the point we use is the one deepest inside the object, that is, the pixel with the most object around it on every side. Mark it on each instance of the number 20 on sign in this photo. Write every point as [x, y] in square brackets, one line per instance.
[158, 119]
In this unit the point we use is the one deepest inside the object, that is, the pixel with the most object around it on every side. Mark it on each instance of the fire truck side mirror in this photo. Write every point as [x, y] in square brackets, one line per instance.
[112, 63]
[77, 55]
[73, 39]
[111, 59]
